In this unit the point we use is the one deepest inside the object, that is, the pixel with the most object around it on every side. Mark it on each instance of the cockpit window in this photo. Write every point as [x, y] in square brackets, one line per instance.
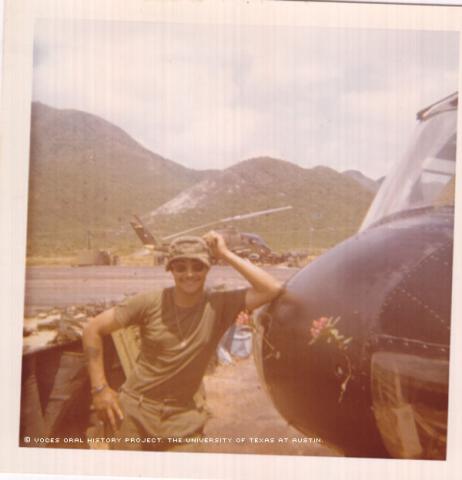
[255, 240]
[425, 177]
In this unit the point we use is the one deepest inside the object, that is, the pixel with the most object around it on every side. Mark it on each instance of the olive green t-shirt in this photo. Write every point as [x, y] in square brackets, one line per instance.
[176, 343]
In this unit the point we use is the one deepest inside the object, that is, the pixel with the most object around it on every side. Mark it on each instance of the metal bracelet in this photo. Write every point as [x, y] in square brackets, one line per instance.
[98, 389]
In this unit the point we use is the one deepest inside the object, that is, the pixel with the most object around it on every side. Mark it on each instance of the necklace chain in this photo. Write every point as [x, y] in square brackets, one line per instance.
[180, 330]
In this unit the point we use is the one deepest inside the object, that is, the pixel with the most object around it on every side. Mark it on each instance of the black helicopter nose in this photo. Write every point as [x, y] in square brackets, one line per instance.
[307, 367]
[374, 293]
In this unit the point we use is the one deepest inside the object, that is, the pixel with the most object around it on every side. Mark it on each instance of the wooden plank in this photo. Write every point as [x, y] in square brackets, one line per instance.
[68, 383]
[32, 420]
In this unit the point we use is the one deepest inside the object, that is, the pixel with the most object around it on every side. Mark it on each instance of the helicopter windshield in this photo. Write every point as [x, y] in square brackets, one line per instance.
[256, 239]
[425, 177]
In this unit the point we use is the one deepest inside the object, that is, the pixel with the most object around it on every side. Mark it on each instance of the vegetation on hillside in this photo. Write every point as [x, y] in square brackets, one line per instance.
[87, 178]
[327, 206]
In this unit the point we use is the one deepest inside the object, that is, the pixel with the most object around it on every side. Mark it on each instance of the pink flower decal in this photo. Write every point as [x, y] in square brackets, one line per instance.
[318, 326]
[325, 328]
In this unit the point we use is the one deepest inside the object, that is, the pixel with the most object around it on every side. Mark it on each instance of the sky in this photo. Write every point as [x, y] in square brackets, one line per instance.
[114, 81]
[209, 96]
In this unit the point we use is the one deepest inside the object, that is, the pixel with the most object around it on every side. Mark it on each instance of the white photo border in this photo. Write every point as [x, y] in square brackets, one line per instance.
[14, 164]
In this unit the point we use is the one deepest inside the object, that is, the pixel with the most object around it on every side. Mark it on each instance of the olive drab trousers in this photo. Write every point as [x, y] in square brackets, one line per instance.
[158, 424]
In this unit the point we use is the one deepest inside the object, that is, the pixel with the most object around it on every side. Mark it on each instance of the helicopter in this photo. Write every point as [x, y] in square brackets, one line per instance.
[356, 349]
[245, 244]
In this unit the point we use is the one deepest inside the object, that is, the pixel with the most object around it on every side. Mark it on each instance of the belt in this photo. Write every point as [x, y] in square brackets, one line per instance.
[169, 401]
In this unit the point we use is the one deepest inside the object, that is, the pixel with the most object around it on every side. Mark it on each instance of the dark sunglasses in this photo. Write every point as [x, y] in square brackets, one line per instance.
[196, 267]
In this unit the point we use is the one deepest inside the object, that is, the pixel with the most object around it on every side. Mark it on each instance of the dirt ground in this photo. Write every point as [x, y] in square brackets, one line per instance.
[243, 414]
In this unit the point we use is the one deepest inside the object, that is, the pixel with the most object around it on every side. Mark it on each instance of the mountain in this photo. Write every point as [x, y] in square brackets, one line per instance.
[366, 182]
[87, 174]
[327, 205]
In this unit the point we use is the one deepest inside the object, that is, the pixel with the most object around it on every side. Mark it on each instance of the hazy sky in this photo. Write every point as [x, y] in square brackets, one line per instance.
[210, 96]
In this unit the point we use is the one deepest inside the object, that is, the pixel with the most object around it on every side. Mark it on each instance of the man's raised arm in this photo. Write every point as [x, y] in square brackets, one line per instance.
[265, 287]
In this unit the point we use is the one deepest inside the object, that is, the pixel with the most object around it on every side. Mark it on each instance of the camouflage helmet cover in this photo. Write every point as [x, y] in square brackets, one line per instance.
[188, 247]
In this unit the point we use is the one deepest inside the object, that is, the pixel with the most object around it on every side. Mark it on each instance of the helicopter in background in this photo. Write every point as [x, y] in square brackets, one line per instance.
[356, 349]
[245, 244]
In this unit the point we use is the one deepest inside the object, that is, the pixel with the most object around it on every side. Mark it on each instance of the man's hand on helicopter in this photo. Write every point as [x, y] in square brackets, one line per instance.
[107, 407]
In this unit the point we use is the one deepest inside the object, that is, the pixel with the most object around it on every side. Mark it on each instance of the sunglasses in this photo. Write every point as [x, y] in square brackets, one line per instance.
[180, 267]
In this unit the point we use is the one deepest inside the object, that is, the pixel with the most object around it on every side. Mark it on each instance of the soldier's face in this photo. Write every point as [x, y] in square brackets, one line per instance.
[189, 275]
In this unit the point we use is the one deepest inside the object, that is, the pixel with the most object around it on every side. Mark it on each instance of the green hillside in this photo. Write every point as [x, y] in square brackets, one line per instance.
[327, 206]
[89, 175]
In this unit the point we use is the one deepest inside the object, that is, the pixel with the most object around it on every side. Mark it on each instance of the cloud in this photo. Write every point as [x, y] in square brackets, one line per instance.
[209, 96]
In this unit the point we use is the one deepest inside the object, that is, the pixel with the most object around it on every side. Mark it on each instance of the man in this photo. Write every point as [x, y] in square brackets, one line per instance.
[180, 328]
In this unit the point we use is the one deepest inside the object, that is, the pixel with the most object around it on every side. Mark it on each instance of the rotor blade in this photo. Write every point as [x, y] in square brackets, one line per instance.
[256, 214]
[190, 230]
[229, 219]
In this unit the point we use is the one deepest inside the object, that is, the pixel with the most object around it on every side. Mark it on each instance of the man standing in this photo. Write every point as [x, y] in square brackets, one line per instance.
[180, 328]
